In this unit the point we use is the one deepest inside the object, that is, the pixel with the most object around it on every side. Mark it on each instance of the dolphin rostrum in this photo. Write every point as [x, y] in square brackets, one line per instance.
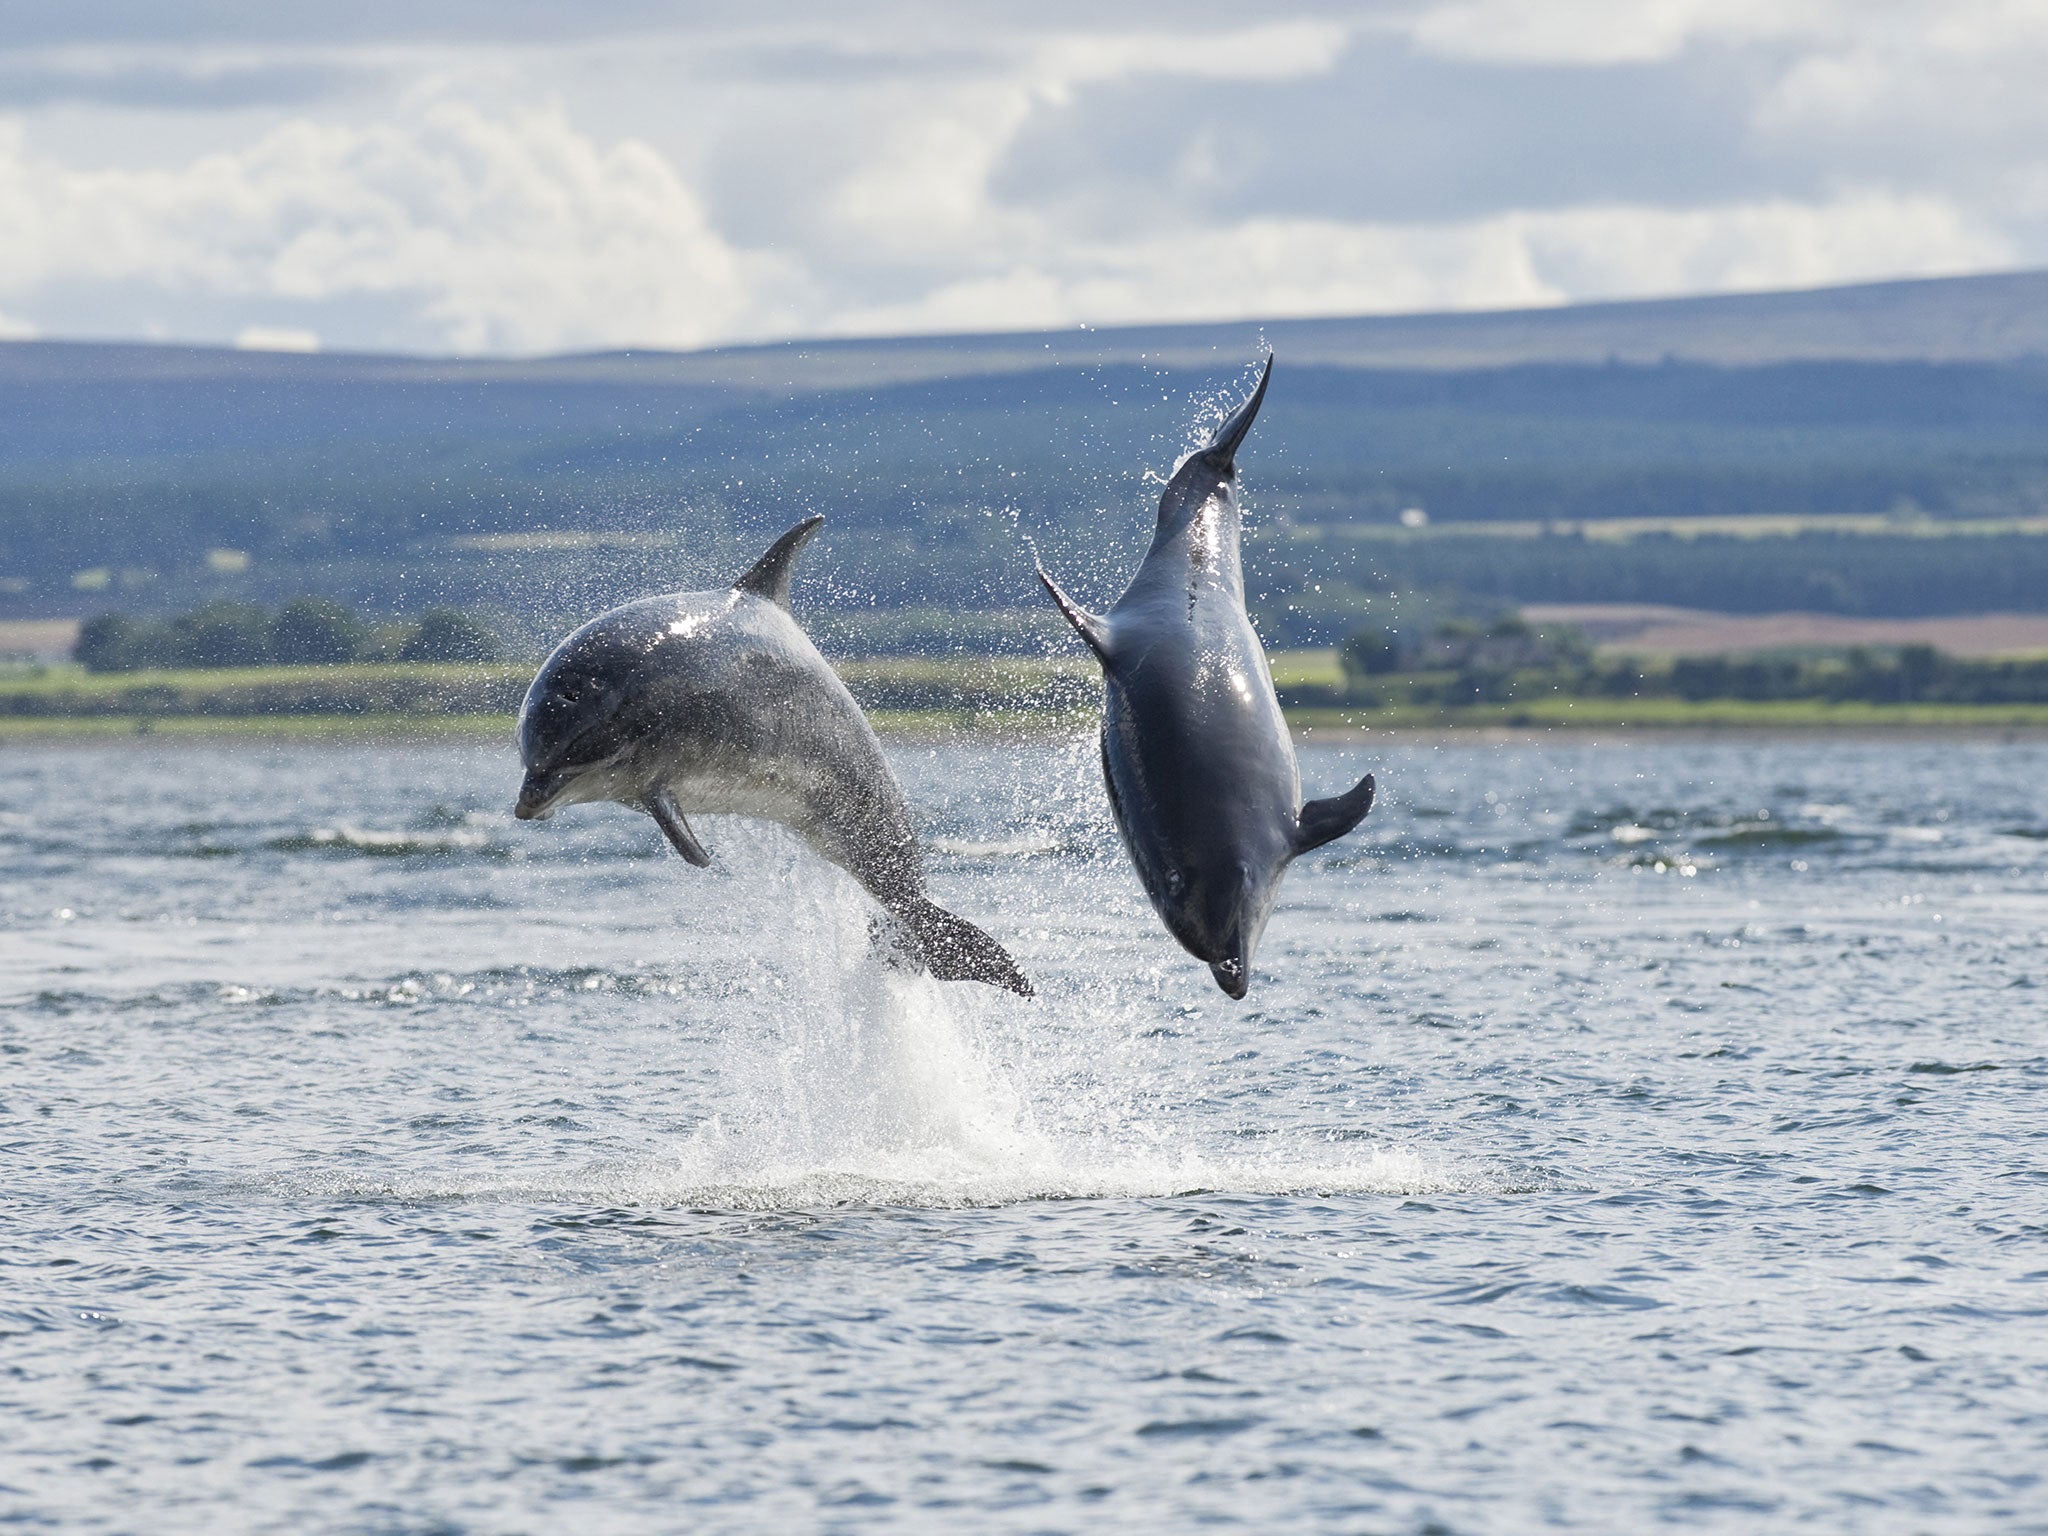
[717, 702]
[1201, 771]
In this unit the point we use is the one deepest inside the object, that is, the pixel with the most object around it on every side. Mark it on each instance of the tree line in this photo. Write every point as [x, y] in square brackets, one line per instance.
[309, 631]
[1462, 662]
[1814, 572]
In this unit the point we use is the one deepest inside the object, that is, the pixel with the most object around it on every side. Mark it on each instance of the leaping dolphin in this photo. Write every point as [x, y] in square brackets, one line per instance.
[1200, 768]
[717, 702]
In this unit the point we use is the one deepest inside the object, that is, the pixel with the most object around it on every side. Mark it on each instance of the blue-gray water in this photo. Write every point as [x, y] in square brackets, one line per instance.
[1617, 1137]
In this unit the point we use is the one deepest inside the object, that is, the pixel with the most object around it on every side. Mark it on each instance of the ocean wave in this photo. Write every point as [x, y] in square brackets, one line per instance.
[403, 843]
[938, 1178]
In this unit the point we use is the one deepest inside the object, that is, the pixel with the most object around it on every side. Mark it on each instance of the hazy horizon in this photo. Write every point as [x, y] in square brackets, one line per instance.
[260, 341]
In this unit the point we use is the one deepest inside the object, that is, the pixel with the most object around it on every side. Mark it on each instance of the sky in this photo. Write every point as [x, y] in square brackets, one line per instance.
[512, 176]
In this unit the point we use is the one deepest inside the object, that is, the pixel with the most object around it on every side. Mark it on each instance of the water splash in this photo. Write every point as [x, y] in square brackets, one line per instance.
[845, 1080]
[852, 1066]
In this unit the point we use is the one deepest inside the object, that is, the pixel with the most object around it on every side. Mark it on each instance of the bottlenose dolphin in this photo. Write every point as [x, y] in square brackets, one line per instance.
[718, 702]
[1201, 771]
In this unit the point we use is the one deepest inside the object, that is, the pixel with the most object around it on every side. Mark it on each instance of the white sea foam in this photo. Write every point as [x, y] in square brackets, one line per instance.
[1024, 846]
[939, 1177]
[846, 1081]
[467, 838]
[878, 1086]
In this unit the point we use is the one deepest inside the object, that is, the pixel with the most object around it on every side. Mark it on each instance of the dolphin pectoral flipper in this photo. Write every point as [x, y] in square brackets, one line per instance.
[1090, 627]
[662, 807]
[1323, 821]
[769, 576]
[955, 950]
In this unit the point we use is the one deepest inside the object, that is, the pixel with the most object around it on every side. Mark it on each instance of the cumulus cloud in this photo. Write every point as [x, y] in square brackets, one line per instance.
[930, 181]
[1624, 252]
[678, 177]
[1966, 83]
[1608, 31]
[511, 232]
[1277, 268]
[1278, 50]
[276, 338]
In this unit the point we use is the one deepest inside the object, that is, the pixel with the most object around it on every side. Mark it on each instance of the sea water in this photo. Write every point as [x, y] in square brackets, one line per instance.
[1616, 1137]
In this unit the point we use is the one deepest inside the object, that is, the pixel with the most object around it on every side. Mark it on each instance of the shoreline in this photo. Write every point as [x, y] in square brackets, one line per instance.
[1906, 723]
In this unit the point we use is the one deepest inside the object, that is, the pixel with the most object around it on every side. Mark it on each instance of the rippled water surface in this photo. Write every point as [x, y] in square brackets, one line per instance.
[1616, 1137]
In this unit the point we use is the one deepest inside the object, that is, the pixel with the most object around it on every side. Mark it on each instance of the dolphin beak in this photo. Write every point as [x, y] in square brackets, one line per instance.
[1236, 916]
[1233, 972]
[537, 795]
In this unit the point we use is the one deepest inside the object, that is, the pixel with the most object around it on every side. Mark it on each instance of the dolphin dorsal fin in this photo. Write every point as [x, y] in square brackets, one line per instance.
[1090, 627]
[1222, 450]
[769, 576]
[1214, 464]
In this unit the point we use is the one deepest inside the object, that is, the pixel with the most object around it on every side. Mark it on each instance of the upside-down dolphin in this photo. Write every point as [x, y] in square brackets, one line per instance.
[717, 702]
[1201, 771]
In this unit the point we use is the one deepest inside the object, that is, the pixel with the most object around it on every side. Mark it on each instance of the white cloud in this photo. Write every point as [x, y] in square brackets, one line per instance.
[1974, 75]
[510, 232]
[276, 338]
[1271, 267]
[1627, 252]
[925, 193]
[926, 187]
[1263, 267]
[1606, 31]
[1281, 50]
[1846, 139]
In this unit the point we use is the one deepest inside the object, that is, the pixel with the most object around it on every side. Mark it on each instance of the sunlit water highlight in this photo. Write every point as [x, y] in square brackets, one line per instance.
[1616, 1137]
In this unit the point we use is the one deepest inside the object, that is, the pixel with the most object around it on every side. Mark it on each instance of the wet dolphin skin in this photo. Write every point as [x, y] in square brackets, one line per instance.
[717, 702]
[1196, 755]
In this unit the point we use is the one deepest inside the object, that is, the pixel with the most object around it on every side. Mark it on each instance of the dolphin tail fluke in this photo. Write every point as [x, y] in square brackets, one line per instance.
[1323, 821]
[1090, 627]
[955, 950]
[1222, 450]
[769, 576]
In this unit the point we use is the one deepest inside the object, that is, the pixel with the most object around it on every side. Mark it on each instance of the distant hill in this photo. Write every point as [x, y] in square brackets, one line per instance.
[2001, 317]
[546, 486]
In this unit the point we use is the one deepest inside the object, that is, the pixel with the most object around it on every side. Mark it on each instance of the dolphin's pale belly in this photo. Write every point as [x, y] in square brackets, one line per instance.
[1198, 731]
[720, 706]
[770, 797]
[818, 772]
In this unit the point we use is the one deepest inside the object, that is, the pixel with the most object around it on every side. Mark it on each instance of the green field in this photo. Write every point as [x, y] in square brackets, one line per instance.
[1681, 714]
[1621, 530]
[21, 729]
[903, 696]
[379, 689]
